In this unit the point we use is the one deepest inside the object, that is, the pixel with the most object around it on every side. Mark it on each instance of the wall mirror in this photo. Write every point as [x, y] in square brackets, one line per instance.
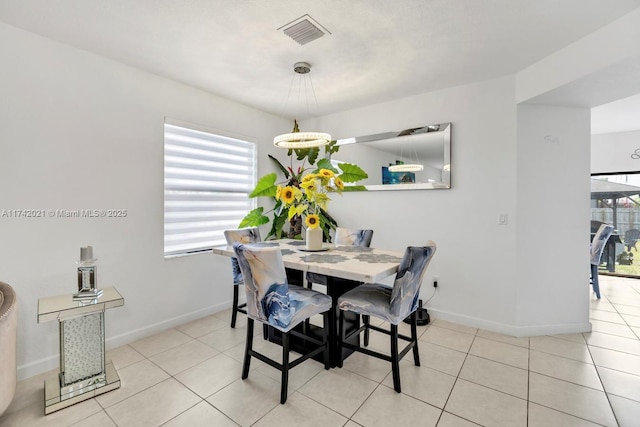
[410, 159]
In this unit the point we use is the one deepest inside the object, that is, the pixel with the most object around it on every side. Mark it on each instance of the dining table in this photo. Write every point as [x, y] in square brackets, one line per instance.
[345, 267]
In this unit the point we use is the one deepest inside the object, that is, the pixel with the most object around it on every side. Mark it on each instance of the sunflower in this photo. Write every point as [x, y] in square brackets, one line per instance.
[309, 185]
[278, 192]
[312, 221]
[338, 182]
[326, 173]
[309, 177]
[288, 194]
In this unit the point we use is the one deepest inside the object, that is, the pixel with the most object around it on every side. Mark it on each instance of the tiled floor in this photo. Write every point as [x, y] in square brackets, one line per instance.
[190, 376]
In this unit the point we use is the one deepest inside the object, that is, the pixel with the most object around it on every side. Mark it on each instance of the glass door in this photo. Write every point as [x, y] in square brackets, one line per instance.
[615, 200]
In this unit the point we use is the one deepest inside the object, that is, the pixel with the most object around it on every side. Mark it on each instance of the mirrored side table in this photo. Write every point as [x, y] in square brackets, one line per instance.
[84, 372]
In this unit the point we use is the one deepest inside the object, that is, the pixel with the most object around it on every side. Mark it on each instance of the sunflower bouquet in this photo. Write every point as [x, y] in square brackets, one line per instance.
[303, 193]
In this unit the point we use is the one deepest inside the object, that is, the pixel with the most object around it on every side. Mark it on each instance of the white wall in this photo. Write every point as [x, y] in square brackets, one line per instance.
[611, 152]
[80, 131]
[475, 261]
[553, 196]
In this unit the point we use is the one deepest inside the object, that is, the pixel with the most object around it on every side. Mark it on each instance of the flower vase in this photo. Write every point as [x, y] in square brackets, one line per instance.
[314, 239]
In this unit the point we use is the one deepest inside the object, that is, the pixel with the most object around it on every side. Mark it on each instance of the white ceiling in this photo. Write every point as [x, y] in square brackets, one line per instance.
[378, 50]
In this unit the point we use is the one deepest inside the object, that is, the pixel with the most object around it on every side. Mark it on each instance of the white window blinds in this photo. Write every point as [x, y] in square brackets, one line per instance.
[207, 179]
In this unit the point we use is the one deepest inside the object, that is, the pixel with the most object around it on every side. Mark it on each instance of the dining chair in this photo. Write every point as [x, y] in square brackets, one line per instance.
[597, 247]
[631, 238]
[391, 304]
[272, 301]
[243, 235]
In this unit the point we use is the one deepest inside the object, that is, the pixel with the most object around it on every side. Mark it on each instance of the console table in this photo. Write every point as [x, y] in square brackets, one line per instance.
[84, 372]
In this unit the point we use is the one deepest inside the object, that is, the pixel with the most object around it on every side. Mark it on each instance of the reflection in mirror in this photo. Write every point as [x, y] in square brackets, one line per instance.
[411, 159]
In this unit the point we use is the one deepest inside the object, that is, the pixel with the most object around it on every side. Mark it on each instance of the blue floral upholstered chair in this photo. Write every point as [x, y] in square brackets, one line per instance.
[597, 247]
[392, 304]
[243, 235]
[271, 301]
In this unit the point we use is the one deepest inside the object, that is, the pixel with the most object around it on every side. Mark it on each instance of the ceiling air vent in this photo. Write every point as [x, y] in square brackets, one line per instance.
[304, 30]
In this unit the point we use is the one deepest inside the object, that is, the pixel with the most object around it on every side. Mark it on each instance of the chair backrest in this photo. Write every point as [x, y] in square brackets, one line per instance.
[349, 237]
[599, 241]
[631, 237]
[406, 286]
[595, 225]
[242, 235]
[266, 284]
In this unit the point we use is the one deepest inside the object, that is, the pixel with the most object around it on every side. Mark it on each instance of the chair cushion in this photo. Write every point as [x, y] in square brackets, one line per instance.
[371, 299]
[303, 303]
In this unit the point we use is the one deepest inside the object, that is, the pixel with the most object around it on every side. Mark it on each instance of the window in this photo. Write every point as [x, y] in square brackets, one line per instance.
[207, 178]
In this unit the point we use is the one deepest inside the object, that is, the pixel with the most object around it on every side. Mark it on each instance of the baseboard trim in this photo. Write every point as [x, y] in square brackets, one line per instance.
[512, 330]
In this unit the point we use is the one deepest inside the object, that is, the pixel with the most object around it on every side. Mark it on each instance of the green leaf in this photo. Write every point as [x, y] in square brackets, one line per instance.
[277, 225]
[354, 188]
[310, 154]
[326, 164]
[331, 147]
[352, 173]
[284, 170]
[266, 186]
[254, 218]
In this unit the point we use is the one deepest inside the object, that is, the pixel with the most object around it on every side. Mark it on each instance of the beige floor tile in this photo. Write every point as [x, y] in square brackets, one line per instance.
[386, 408]
[636, 331]
[203, 326]
[369, 367]
[627, 411]
[134, 379]
[201, 415]
[441, 358]
[339, 390]
[570, 398]
[33, 415]
[606, 316]
[183, 357]
[498, 376]
[485, 406]
[300, 411]
[616, 360]
[577, 337]
[613, 342]
[101, 419]
[426, 384]
[269, 349]
[612, 329]
[154, 406]
[620, 383]
[541, 416]
[454, 326]
[631, 320]
[602, 305]
[564, 369]
[450, 420]
[29, 392]
[298, 376]
[560, 347]
[501, 352]
[211, 375]
[160, 342]
[632, 300]
[123, 356]
[246, 401]
[627, 309]
[448, 338]
[518, 341]
[225, 338]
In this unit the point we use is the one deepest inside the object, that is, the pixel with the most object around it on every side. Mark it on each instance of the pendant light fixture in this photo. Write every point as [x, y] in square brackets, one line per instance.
[297, 139]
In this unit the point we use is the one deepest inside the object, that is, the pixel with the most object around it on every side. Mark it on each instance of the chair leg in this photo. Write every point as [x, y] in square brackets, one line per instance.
[594, 280]
[234, 308]
[285, 367]
[325, 339]
[247, 350]
[395, 362]
[365, 321]
[340, 336]
[414, 338]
